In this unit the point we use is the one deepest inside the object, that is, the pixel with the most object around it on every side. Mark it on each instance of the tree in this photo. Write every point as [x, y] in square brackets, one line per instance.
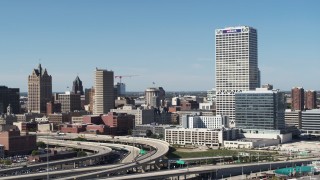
[80, 139]
[148, 133]
[41, 144]
[160, 136]
[81, 154]
[7, 162]
[34, 152]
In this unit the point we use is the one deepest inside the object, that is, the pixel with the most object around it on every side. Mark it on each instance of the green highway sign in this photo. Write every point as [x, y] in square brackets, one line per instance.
[142, 152]
[180, 162]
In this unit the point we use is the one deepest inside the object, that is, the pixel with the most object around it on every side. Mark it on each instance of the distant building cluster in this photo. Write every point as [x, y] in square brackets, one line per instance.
[238, 112]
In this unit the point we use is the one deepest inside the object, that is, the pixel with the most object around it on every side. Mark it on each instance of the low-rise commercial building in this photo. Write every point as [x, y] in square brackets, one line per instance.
[15, 144]
[208, 122]
[142, 116]
[200, 137]
[246, 143]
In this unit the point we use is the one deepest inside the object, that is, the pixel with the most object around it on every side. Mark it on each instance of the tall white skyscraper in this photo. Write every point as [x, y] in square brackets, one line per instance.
[104, 91]
[236, 66]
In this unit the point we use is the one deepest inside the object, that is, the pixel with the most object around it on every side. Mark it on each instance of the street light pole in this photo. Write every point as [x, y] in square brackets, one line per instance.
[48, 156]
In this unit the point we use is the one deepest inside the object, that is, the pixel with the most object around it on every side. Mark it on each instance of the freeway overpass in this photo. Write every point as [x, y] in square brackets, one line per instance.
[161, 148]
[214, 171]
[101, 152]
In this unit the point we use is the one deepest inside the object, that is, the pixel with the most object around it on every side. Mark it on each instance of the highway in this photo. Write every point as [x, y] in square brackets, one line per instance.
[84, 173]
[217, 171]
[101, 152]
[161, 147]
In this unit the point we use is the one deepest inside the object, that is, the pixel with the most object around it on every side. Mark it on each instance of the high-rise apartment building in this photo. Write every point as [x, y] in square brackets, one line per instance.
[9, 96]
[236, 66]
[77, 87]
[297, 98]
[39, 90]
[104, 91]
[310, 99]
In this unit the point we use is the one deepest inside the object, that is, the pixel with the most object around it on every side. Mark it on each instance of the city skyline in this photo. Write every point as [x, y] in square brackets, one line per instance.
[162, 42]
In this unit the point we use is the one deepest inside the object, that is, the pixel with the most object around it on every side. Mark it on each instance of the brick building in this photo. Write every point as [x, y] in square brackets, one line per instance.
[297, 98]
[92, 119]
[122, 121]
[15, 144]
[310, 99]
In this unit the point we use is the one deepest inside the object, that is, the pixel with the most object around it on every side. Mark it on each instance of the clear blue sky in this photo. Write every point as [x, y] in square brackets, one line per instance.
[169, 42]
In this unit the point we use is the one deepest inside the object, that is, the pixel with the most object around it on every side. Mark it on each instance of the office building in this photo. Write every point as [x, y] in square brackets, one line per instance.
[297, 98]
[267, 86]
[142, 116]
[77, 87]
[175, 101]
[152, 97]
[69, 102]
[17, 144]
[39, 90]
[194, 112]
[103, 91]
[211, 95]
[120, 89]
[208, 122]
[260, 109]
[292, 118]
[122, 122]
[310, 121]
[236, 66]
[9, 96]
[310, 99]
[200, 137]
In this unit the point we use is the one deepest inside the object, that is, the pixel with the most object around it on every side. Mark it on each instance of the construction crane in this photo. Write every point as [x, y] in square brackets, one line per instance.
[122, 76]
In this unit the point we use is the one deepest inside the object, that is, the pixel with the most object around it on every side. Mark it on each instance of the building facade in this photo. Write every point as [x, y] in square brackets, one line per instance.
[310, 121]
[292, 118]
[103, 91]
[121, 121]
[260, 109]
[120, 89]
[208, 122]
[236, 66]
[39, 90]
[297, 98]
[9, 96]
[69, 102]
[142, 116]
[77, 87]
[199, 137]
[310, 99]
[152, 97]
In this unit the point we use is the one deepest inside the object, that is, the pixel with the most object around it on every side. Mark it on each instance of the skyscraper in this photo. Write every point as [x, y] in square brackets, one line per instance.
[297, 98]
[236, 66]
[77, 87]
[39, 90]
[310, 99]
[104, 91]
[9, 96]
